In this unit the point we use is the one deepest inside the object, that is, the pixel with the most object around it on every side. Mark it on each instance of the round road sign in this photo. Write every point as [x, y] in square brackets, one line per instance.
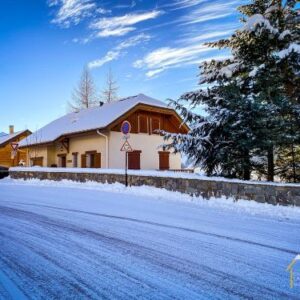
[126, 128]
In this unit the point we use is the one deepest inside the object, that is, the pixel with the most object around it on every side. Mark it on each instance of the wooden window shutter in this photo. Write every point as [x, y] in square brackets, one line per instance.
[97, 160]
[143, 124]
[164, 160]
[83, 161]
[155, 122]
[134, 160]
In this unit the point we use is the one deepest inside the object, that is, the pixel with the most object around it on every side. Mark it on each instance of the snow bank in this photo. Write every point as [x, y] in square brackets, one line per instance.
[240, 206]
[154, 173]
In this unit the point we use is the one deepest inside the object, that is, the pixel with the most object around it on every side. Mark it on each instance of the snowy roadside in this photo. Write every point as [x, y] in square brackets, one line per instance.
[240, 206]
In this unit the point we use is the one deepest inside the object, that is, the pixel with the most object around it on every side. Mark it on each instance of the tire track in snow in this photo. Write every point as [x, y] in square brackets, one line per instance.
[175, 265]
[7, 286]
[289, 251]
[78, 284]
[21, 241]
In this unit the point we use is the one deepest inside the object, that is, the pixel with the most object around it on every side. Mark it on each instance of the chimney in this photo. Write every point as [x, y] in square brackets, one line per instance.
[11, 129]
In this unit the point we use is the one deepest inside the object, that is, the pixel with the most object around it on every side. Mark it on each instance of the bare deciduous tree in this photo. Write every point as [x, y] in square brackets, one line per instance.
[109, 94]
[84, 95]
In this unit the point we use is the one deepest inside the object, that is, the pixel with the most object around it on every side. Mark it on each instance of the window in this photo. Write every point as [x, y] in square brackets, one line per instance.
[92, 159]
[75, 160]
[143, 124]
[62, 161]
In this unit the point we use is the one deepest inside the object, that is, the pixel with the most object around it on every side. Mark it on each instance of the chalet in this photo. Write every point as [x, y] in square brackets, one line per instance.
[6, 141]
[91, 138]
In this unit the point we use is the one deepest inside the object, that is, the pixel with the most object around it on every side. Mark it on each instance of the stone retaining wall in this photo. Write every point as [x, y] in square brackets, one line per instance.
[264, 193]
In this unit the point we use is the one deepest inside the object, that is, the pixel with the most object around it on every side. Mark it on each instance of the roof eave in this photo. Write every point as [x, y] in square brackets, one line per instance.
[15, 137]
[110, 125]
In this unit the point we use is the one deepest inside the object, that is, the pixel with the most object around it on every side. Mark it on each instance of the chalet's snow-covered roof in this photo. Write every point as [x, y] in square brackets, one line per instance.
[88, 119]
[4, 137]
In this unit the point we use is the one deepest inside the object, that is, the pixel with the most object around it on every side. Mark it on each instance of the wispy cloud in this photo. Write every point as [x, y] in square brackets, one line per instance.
[180, 4]
[205, 36]
[122, 6]
[117, 51]
[110, 56]
[71, 11]
[103, 11]
[164, 58]
[210, 11]
[154, 72]
[196, 62]
[180, 18]
[121, 25]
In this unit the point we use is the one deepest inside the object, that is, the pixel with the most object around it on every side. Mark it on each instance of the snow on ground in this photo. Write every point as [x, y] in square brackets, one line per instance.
[69, 240]
[245, 206]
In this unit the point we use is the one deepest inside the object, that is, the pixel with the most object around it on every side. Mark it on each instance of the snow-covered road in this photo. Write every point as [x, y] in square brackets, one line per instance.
[67, 242]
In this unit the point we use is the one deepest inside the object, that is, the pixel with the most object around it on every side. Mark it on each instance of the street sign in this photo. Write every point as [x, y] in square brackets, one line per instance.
[126, 147]
[126, 128]
[14, 149]
[14, 146]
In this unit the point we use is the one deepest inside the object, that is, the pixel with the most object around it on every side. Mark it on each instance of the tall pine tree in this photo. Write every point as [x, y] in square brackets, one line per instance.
[252, 106]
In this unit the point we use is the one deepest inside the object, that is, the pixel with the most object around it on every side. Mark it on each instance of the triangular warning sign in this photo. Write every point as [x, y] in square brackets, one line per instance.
[14, 146]
[126, 147]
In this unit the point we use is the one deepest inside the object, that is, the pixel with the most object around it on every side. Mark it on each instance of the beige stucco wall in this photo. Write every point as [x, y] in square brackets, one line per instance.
[82, 144]
[40, 151]
[91, 142]
[148, 144]
[51, 156]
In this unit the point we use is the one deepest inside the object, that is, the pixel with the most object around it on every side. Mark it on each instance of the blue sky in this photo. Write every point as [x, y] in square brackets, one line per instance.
[153, 47]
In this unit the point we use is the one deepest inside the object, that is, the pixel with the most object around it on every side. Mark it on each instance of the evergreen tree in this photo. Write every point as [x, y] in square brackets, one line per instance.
[288, 163]
[253, 105]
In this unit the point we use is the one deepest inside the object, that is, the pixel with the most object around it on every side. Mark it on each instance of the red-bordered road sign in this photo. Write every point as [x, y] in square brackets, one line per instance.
[126, 147]
[125, 127]
[14, 146]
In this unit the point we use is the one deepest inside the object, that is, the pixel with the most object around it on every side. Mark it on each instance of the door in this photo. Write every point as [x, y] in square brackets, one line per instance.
[134, 160]
[164, 160]
[75, 159]
[63, 161]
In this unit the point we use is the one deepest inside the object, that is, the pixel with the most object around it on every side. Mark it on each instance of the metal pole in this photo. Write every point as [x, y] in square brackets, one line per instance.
[126, 167]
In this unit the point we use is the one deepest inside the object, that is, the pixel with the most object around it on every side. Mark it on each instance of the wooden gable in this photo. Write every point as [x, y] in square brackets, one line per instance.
[145, 120]
[5, 151]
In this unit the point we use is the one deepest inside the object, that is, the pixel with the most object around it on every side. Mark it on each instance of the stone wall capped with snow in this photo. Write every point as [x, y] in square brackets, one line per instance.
[283, 194]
